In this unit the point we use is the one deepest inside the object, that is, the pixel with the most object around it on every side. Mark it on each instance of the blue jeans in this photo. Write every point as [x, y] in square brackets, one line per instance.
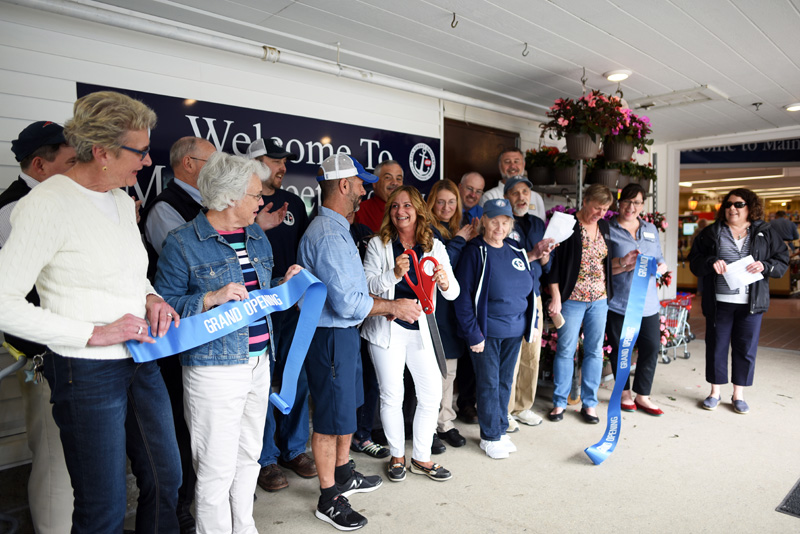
[593, 317]
[292, 429]
[494, 373]
[106, 409]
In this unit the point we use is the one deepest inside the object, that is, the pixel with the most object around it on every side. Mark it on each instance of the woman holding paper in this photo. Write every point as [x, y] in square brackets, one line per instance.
[733, 314]
[631, 236]
[580, 286]
[218, 257]
[75, 237]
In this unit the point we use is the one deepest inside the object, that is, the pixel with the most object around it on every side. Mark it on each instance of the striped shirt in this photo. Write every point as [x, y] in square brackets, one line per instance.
[259, 331]
[731, 250]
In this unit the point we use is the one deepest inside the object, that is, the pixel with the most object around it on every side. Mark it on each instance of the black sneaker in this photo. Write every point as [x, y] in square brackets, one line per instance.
[437, 447]
[358, 483]
[339, 514]
[369, 448]
[436, 472]
[396, 471]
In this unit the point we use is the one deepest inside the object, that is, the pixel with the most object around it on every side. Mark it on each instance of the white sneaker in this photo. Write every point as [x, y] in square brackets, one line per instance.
[528, 417]
[506, 442]
[512, 425]
[494, 449]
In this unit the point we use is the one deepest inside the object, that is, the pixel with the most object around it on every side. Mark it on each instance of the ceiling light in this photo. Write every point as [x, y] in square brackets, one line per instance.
[685, 184]
[617, 75]
[792, 107]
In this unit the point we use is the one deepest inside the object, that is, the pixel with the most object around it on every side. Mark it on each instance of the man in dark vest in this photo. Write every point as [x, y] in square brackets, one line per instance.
[285, 436]
[177, 204]
[42, 152]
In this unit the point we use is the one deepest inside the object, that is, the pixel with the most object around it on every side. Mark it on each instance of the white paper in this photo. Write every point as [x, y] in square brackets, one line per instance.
[736, 274]
[560, 226]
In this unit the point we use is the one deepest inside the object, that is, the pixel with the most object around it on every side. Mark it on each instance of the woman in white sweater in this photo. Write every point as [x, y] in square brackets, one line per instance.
[75, 237]
[395, 344]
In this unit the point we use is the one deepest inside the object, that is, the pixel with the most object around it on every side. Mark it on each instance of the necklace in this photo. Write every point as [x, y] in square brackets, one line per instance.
[738, 235]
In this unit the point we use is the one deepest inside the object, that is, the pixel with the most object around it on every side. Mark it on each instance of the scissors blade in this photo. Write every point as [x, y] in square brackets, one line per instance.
[438, 348]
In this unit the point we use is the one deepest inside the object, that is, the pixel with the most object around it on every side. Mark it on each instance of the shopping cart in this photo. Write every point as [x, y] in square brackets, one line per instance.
[675, 320]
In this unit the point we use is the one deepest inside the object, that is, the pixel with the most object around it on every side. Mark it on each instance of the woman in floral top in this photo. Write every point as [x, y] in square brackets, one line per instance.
[580, 285]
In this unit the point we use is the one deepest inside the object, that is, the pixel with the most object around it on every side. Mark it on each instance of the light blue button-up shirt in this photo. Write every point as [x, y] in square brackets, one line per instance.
[328, 252]
[623, 242]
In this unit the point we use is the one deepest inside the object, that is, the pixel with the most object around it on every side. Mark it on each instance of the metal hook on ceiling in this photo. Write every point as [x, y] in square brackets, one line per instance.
[525, 52]
[619, 90]
[455, 22]
[583, 80]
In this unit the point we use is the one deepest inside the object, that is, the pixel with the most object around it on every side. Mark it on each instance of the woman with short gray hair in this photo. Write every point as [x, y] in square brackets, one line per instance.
[218, 257]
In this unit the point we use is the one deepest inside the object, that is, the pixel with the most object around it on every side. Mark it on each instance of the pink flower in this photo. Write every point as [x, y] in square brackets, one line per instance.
[664, 224]
[663, 340]
[563, 122]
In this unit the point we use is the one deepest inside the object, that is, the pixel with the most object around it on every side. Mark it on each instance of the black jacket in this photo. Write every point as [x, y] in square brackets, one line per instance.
[766, 246]
[565, 261]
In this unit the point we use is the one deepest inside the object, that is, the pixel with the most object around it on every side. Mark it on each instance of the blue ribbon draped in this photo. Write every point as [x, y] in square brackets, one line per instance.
[645, 267]
[225, 319]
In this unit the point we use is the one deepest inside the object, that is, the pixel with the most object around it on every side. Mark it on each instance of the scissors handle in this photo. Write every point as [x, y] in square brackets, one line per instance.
[425, 285]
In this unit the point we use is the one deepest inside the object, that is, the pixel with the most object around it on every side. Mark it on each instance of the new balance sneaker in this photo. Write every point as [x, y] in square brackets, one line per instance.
[506, 442]
[494, 449]
[340, 514]
[369, 448]
[528, 417]
[435, 472]
[359, 483]
[512, 425]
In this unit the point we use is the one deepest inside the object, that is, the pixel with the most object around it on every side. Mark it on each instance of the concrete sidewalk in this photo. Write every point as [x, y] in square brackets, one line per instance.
[689, 471]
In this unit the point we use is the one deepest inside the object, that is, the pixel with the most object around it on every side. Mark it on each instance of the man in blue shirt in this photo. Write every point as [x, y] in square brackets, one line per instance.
[528, 231]
[471, 190]
[328, 252]
[786, 229]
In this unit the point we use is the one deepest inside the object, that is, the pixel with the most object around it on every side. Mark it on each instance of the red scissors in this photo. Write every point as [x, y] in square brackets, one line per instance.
[425, 285]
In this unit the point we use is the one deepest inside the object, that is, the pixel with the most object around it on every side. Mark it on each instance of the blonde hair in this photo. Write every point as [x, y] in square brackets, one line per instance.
[104, 119]
[424, 234]
[455, 221]
[598, 193]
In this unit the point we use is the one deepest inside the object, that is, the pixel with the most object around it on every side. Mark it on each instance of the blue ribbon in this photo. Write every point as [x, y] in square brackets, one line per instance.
[645, 267]
[225, 319]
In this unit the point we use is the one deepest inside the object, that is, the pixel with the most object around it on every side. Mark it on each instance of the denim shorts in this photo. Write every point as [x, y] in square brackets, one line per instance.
[333, 379]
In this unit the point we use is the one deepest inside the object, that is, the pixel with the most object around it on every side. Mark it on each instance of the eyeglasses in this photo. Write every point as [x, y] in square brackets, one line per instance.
[738, 205]
[258, 196]
[474, 191]
[634, 203]
[142, 153]
[197, 159]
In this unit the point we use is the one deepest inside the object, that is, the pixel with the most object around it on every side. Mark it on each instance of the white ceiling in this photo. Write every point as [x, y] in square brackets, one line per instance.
[746, 50]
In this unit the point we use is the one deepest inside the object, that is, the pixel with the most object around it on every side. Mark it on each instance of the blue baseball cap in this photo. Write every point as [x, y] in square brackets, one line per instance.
[511, 182]
[340, 166]
[497, 206]
[362, 173]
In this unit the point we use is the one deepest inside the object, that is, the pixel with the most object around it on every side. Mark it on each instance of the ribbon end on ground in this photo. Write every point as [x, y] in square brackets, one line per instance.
[596, 456]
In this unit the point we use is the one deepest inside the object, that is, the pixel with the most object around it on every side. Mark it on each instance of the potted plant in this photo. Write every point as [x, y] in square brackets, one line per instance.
[540, 163]
[630, 171]
[583, 122]
[629, 133]
[565, 169]
[602, 171]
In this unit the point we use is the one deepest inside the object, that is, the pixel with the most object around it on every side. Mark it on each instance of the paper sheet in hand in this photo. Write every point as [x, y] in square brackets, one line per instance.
[736, 274]
[560, 226]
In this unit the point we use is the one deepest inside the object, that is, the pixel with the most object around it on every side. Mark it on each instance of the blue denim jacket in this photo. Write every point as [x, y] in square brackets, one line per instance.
[195, 260]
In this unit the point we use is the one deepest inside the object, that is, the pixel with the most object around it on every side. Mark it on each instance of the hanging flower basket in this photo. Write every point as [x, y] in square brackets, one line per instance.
[581, 146]
[606, 177]
[645, 183]
[566, 175]
[617, 151]
[541, 175]
[624, 180]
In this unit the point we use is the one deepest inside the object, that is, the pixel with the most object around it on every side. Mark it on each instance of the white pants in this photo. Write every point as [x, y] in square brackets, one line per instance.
[49, 487]
[406, 349]
[226, 408]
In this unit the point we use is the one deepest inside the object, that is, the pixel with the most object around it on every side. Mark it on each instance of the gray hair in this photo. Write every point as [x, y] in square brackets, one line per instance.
[380, 165]
[224, 179]
[180, 149]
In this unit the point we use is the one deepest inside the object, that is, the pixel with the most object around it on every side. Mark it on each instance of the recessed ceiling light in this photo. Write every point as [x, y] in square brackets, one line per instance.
[617, 75]
[792, 107]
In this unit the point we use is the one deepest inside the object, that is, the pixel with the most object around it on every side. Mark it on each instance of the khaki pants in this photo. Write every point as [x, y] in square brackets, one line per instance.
[446, 412]
[526, 373]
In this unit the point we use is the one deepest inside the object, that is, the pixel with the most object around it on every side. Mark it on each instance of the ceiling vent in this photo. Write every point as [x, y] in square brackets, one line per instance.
[697, 95]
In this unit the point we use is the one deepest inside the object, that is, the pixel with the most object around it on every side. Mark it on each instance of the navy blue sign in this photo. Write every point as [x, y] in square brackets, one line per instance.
[232, 128]
[781, 151]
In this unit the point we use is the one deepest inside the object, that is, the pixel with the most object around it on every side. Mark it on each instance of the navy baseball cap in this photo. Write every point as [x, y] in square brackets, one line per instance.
[37, 135]
[497, 206]
[511, 182]
[271, 148]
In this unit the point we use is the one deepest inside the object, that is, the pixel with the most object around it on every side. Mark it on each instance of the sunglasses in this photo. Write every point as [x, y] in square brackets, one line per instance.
[738, 205]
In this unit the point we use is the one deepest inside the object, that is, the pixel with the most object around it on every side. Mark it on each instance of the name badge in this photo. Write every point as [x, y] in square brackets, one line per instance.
[649, 236]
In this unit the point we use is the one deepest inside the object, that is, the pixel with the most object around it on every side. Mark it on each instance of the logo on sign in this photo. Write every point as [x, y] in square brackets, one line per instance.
[422, 162]
[518, 264]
